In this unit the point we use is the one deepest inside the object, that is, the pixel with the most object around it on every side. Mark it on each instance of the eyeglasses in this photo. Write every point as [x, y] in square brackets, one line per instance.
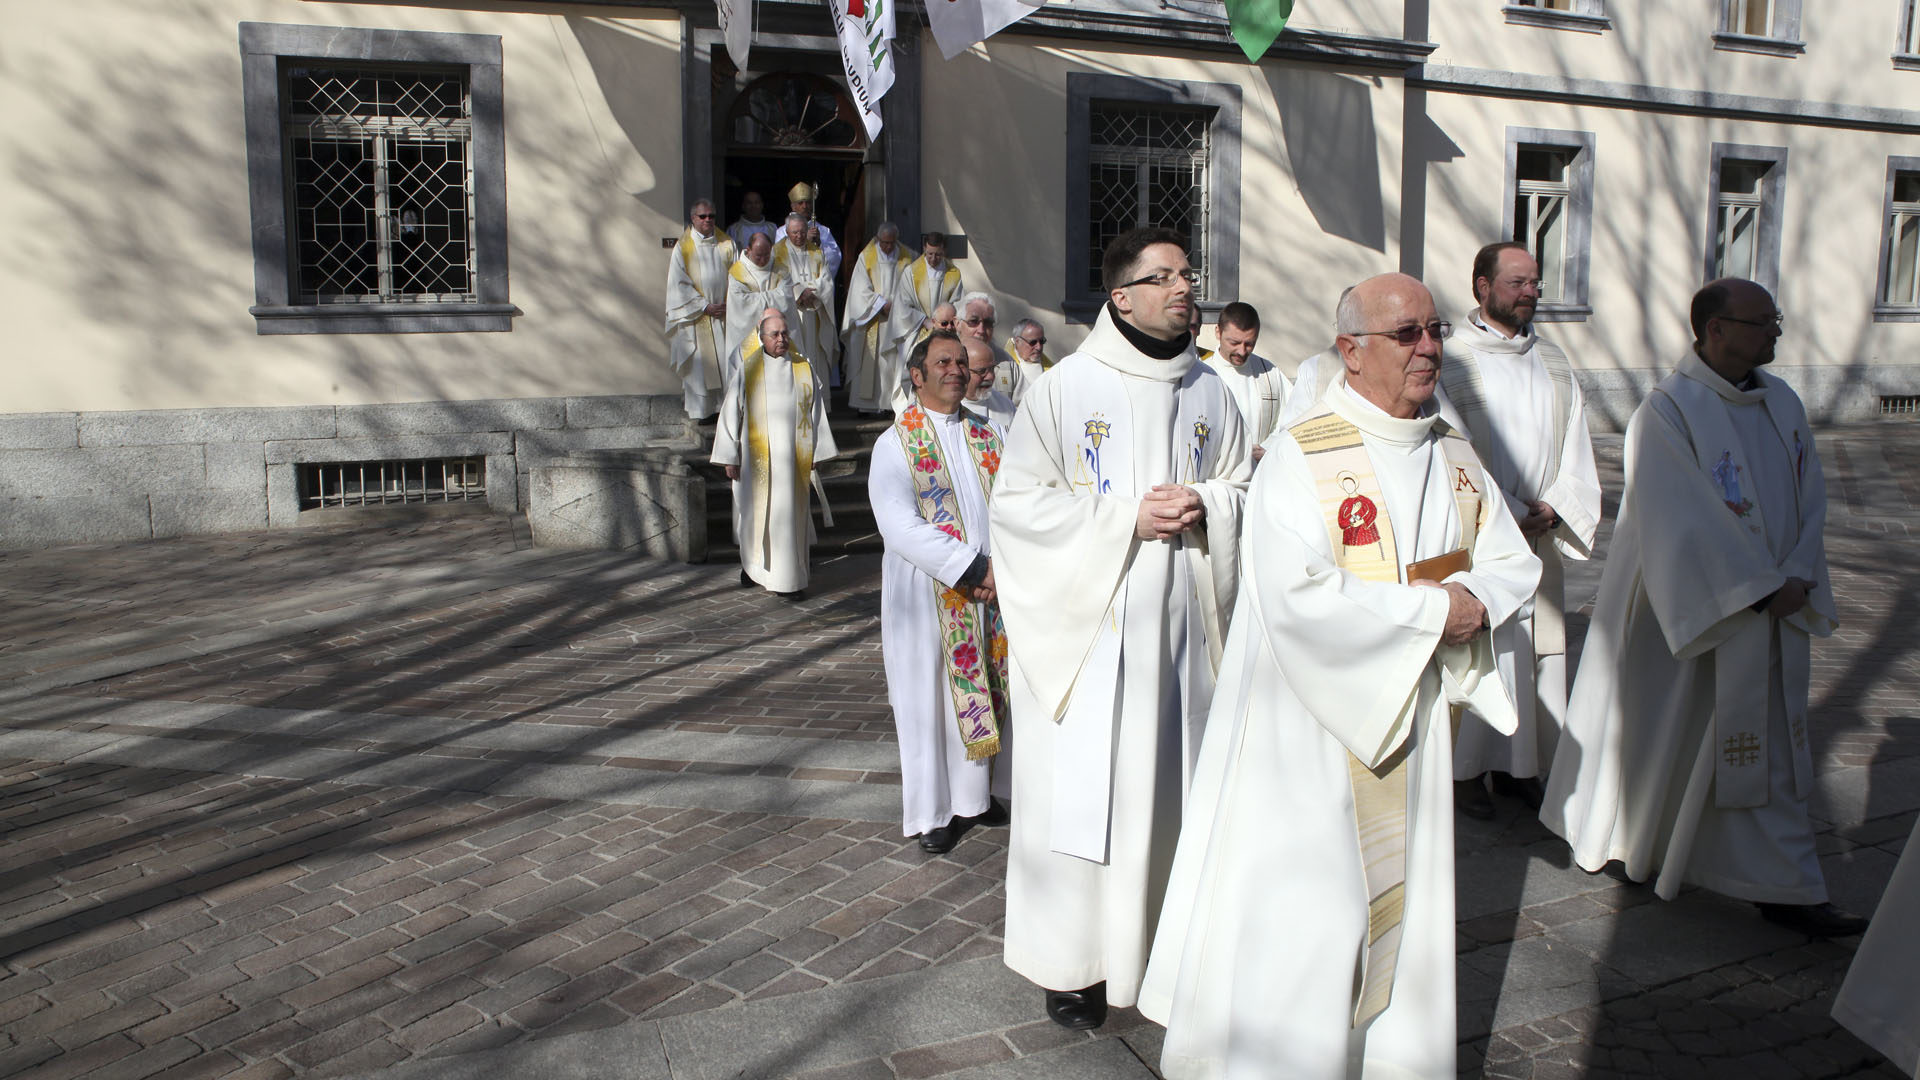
[1163, 279]
[1032, 342]
[1440, 330]
[1775, 320]
[975, 320]
[1521, 283]
[702, 217]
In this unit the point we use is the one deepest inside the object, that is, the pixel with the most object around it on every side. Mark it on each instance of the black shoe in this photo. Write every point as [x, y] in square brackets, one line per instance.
[939, 841]
[793, 597]
[1470, 798]
[1078, 1010]
[1528, 789]
[995, 816]
[745, 581]
[1814, 920]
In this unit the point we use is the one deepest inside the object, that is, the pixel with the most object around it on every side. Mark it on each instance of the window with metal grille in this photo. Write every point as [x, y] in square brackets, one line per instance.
[1542, 196]
[1902, 288]
[380, 185]
[392, 483]
[1147, 166]
[1900, 405]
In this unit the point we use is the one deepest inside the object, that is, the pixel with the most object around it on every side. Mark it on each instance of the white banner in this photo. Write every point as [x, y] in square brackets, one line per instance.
[736, 25]
[865, 28]
[957, 24]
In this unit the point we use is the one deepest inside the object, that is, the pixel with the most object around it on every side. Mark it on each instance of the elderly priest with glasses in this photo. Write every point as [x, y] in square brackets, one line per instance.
[1308, 930]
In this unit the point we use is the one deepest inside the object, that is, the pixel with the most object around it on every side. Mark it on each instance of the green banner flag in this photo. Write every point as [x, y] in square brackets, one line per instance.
[1256, 23]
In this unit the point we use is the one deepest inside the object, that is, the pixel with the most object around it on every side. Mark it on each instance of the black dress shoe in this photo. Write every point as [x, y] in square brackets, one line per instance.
[745, 581]
[793, 597]
[1078, 1010]
[995, 816]
[938, 841]
[1470, 798]
[1528, 789]
[1814, 920]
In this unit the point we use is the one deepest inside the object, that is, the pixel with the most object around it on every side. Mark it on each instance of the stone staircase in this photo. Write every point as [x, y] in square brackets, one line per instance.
[845, 479]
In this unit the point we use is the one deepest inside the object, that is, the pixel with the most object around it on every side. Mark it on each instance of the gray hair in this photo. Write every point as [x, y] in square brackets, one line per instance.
[698, 203]
[1025, 325]
[1347, 316]
[887, 228]
[801, 218]
[970, 299]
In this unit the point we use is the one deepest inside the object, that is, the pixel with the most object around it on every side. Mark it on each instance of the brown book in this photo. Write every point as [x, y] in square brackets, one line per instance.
[1440, 567]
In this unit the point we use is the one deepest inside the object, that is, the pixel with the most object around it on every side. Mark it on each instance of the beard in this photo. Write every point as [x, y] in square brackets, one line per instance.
[1509, 315]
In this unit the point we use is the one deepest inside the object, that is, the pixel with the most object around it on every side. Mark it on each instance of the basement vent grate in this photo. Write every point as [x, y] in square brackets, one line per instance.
[392, 483]
[1900, 405]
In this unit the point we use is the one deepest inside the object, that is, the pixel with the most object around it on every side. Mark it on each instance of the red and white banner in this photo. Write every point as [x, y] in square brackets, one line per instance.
[865, 29]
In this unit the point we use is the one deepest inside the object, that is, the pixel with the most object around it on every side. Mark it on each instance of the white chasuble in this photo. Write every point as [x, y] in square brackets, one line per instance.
[1528, 420]
[751, 290]
[923, 559]
[917, 292]
[864, 327]
[1260, 391]
[813, 329]
[1685, 752]
[1009, 375]
[697, 346]
[1028, 370]
[1880, 999]
[1113, 643]
[773, 426]
[1268, 917]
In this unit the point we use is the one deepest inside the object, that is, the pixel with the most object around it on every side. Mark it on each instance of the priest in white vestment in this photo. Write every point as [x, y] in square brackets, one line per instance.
[875, 275]
[1028, 347]
[773, 431]
[1880, 999]
[1308, 932]
[1685, 754]
[983, 398]
[752, 220]
[1116, 522]
[925, 283]
[805, 265]
[1516, 393]
[801, 199]
[754, 284]
[697, 310]
[940, 631]
[977, 320]
[1258, 388]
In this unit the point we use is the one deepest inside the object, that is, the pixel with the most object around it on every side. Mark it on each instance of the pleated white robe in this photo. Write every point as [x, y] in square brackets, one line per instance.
[1634, 778]
[1880, 999]
[813, 327]
[1063, 555]
[1520, 451]
[938, 783]
[1266, 917]
[697, 346]
[748, 301]
[773, 548]
[864, 327]
[916, 292]
[1259, 389]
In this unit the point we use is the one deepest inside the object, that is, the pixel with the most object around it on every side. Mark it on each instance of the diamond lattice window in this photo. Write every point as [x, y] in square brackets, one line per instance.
[1147, 166]
[380, 184]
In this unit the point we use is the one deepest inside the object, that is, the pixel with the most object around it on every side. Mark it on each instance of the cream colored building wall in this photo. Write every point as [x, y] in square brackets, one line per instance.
[129, 265]
[995, 159]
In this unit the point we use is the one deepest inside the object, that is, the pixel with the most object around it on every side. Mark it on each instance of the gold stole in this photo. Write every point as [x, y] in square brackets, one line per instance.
[1362, 538]
[753, 367]
[706, 344]
[929, 301]
[870, 259]
[782, 259]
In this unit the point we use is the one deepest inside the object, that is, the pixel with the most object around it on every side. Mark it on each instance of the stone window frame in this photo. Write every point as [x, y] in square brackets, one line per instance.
[1223, 166]
[1784, 41]
[1773, 197]
[1585, 16]
[1578, 306]
[1906, 44]
[262, 48]
[1883, 311]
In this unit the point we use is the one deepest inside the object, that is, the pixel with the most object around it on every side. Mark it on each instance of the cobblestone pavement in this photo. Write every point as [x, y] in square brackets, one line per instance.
[416, 800]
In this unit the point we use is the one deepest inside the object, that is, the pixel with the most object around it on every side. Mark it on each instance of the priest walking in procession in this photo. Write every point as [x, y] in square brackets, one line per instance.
[752, 220]
[773, 431]
[1685, 755]
[1258, 388]
[754, 284]
[697, 310]
[1308, 931]
[800, 200]
[927, 282]
[1116, 519]
[869, 302]
[1515, 392]
[940, 631]
[813, 328]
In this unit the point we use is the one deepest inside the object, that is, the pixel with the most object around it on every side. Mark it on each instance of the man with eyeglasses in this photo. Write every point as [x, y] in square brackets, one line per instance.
[754, 283]
[801, 199]
[1028, 346]
[1258, 388]
[1308, 931]
[1685, 755]
[1116, 522]
[1515, 392]
[869, 301]
[984, 399]
[697, 310]
[977, 320]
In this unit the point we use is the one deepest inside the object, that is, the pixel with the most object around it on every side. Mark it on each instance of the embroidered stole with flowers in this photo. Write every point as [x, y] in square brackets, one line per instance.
[754, 367]
[973, 639]
[1342, 474]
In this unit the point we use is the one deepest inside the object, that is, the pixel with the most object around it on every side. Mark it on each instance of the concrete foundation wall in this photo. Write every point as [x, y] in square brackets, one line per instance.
[68, 478]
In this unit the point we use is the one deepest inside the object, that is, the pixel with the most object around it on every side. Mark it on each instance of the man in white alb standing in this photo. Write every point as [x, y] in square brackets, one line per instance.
[1258, 388]
[697, 310]
[869, 301]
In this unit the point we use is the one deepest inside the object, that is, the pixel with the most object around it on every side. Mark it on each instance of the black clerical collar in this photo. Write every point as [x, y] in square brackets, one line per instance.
[1145, 342]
